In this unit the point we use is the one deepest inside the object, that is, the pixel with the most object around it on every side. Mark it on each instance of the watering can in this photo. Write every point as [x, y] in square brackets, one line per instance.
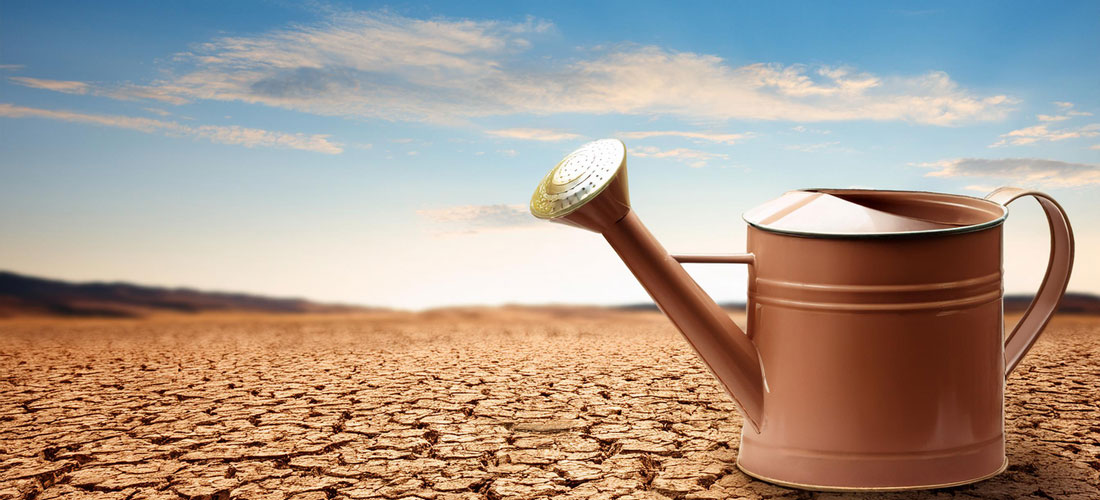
[874, 356]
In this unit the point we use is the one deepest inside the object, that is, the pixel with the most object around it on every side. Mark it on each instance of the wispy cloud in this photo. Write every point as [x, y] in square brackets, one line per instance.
[386, 66]
[1023, 171]
[813, 148]
[533, 134]
[66, 86]
[158, 111]
[125, 92]
[477, 218]
[805, 129]
[981, 188]
[249, 137]
[698, 136]
[11, 67]
[131, 92]
[1051, 118]
[1067, 108]
[692, 157]
[1043, 133]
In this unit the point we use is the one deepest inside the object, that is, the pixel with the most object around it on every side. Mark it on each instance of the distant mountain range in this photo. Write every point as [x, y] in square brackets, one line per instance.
[29, 296]
[1072, 303]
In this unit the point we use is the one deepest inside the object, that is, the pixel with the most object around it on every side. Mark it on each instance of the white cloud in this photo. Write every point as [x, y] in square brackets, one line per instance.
[1022, 171]
[804, 129]
[532, 134]
[126, 92]
[980, 188]
[1042, 133]
[1065, 107]
[692, 157]
[813, 148]
[68, 87]
[130, 92]
[158, 111]
[1051, 118]
[700, 136]
[380, 65]
[477, 218]
[11, 67]
[249, 137]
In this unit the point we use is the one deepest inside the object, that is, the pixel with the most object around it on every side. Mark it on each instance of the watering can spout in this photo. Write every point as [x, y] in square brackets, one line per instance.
[588, 189]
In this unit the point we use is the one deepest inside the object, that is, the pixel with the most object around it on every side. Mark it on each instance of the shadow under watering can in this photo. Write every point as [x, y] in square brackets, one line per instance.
[874, 357]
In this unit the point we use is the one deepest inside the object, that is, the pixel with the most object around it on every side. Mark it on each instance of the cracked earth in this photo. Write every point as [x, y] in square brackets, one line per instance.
[513, 403]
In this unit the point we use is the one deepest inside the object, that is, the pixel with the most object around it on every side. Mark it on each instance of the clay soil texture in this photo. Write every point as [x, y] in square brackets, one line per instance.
[492, 403]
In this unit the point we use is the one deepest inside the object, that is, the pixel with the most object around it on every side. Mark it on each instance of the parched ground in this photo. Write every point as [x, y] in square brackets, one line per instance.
[461, 404]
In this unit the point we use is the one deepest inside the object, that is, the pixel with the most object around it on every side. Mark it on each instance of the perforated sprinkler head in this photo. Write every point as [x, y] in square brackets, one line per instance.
[587, 188]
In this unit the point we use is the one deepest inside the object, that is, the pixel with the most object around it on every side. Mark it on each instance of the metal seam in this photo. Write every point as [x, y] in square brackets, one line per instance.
[899, 306]
[990, 278]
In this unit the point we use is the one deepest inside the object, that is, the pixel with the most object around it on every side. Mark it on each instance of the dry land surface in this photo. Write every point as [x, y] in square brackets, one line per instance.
[494, 403]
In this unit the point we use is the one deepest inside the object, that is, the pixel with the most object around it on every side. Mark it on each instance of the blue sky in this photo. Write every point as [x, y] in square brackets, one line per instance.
[383, 153]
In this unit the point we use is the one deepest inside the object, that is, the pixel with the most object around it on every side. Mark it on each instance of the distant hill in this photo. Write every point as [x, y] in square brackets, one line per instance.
[1072, 303]
[29, 296]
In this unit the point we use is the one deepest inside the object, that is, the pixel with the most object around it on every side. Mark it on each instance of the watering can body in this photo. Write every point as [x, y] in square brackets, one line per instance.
[874, 356]
[883, 359]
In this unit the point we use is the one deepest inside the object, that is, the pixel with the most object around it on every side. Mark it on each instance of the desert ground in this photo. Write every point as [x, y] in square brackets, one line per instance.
[472, 403]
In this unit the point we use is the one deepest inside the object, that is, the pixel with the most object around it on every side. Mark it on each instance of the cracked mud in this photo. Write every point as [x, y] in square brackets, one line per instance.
[511, 403]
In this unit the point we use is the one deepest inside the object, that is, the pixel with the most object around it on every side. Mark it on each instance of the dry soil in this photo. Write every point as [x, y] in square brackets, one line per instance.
[509, 403]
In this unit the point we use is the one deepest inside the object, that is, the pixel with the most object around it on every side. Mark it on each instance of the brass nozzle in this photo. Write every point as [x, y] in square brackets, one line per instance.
[587, 188]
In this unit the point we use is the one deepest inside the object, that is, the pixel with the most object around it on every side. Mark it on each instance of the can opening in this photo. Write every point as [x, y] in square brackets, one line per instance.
[870, 213]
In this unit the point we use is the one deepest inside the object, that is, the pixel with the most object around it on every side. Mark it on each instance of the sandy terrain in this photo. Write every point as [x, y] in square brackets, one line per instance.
[461, 404]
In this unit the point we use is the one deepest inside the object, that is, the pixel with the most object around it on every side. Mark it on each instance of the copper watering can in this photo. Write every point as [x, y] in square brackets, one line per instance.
[875, 357]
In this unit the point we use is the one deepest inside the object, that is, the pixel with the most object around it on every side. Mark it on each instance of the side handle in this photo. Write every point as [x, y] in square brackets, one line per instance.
[1054, 282]
[728, 258]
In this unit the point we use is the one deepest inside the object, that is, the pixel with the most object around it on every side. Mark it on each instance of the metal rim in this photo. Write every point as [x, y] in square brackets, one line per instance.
[895, 234]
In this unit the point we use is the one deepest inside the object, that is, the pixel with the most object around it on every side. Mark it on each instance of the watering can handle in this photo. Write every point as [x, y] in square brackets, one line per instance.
[1054, 282]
